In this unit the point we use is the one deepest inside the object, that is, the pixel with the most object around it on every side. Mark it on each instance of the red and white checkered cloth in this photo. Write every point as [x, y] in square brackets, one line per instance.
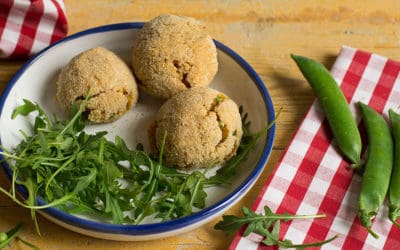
[312, 178]
[26, 27]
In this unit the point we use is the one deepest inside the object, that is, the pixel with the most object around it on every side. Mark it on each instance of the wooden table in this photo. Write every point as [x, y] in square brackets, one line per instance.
[264, 33]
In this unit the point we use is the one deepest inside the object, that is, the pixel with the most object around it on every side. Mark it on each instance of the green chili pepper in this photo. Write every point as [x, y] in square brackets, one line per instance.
[394, 187]
[378, 167]
[335, 107]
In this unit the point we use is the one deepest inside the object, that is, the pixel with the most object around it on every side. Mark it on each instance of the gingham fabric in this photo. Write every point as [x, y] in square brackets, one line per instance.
[26, 27]
[312, 178]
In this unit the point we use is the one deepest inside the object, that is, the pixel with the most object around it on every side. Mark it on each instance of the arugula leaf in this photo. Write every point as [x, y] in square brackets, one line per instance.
[25, 109]
[110, 173]
[84, 181]
[112, 206]
[266, 225]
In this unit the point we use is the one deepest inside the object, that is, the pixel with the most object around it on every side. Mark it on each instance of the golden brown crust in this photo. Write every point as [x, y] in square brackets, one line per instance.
[202, 126]
[111, 83]
[173, 53]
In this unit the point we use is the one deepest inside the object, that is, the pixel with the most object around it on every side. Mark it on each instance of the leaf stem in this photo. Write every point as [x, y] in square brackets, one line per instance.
[65, 164]
[194, 194]
[11, 156]
[51, 204]
[76, 116]
[11, 234]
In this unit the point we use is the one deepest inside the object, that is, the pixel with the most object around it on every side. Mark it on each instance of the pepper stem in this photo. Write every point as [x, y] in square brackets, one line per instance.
[358, 166]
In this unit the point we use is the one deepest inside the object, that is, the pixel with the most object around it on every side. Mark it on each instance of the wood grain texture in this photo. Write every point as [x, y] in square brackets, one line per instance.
[264, 33]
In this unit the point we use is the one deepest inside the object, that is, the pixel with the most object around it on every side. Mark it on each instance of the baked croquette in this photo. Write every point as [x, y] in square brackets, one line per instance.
[173, 53]
[202, 126]
[112, 86]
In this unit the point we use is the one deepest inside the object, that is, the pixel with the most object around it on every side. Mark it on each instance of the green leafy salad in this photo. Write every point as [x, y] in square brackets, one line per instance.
[83, 173]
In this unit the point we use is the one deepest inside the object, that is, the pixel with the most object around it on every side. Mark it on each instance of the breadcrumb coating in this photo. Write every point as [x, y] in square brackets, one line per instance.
[202, 126]
[173, 53]
[111, 83]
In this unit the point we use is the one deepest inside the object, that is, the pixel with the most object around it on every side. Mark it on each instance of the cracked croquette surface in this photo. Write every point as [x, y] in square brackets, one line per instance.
[202, 125]
[173, 53]
[112, 85]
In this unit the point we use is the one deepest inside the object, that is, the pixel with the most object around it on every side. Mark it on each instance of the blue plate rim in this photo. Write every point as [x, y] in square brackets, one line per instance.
[167, 226]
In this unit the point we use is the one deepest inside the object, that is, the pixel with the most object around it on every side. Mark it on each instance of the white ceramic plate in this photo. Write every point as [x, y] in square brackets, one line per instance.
[36, 81]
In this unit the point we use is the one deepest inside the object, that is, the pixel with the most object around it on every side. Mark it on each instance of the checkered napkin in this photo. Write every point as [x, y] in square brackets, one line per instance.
[312, 177]
[26, 27]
